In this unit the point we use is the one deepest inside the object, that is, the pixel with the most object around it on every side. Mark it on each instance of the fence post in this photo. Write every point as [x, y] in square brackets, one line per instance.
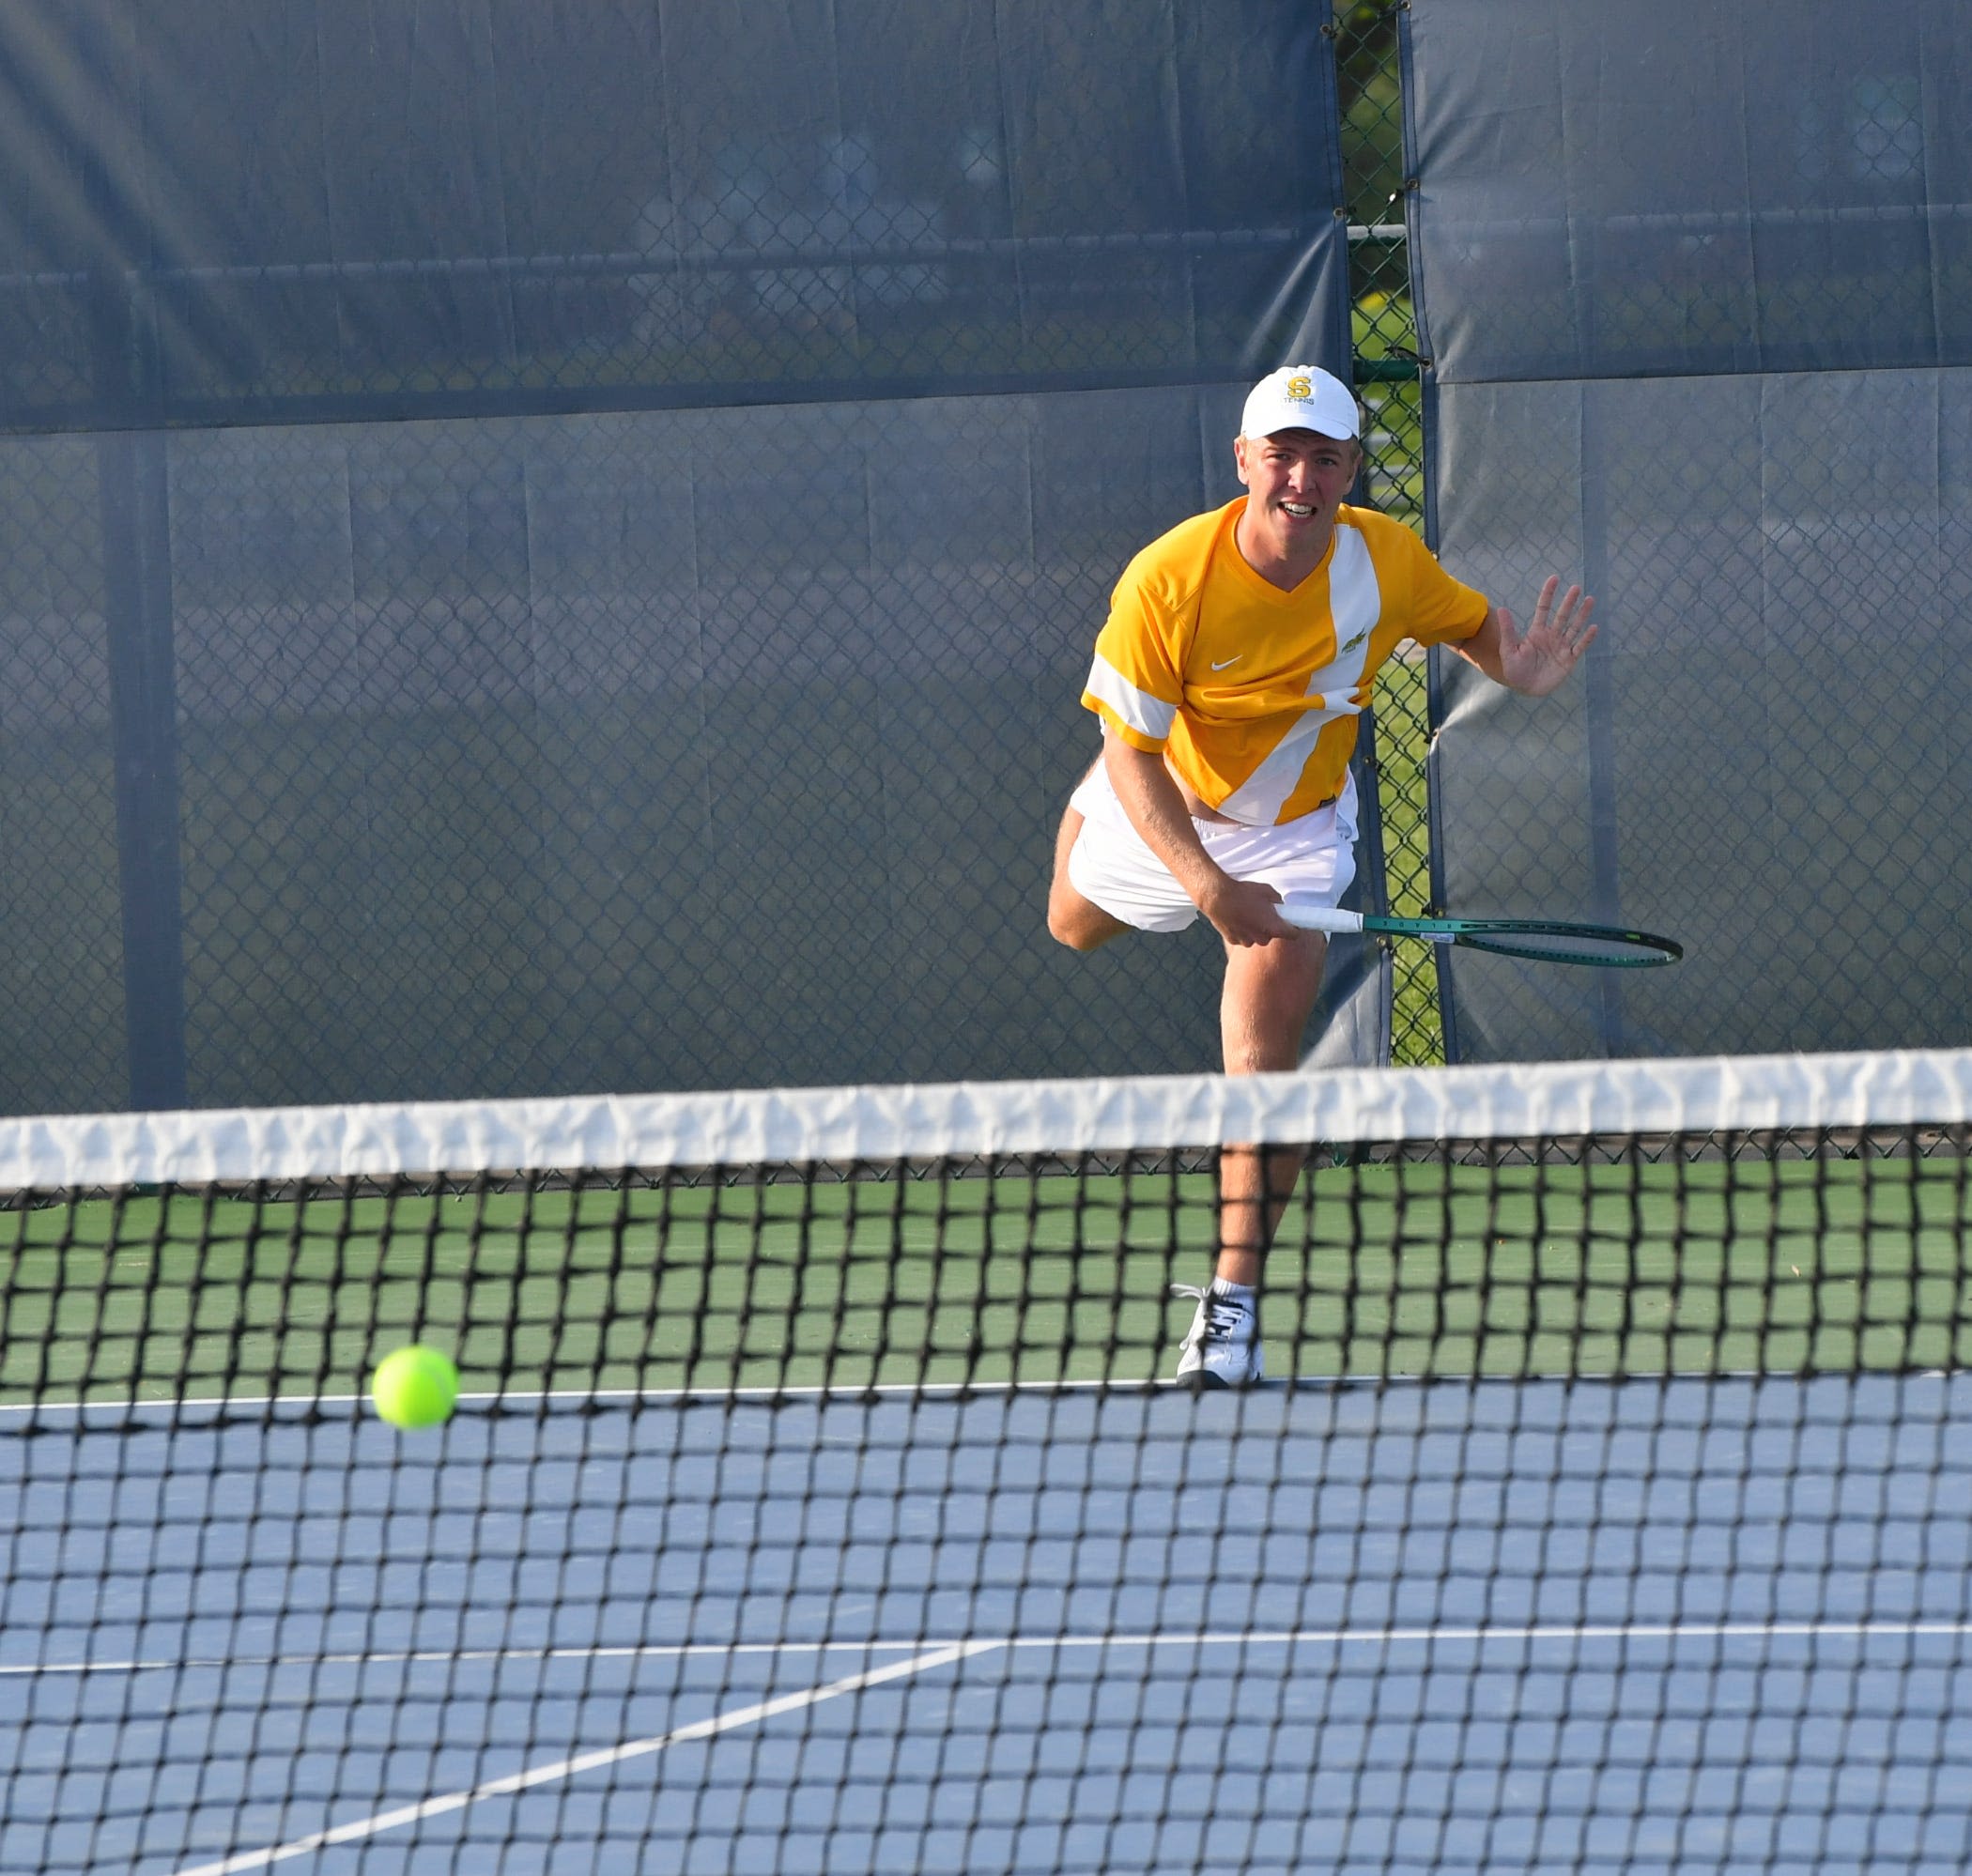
[132, 472]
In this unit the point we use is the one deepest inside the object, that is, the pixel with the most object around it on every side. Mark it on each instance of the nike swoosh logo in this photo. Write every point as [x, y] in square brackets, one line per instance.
[1233, 660]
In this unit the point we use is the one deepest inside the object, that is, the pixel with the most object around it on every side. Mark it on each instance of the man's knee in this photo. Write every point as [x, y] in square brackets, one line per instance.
[1073, 920]
[1270, 992]
[1077, 923]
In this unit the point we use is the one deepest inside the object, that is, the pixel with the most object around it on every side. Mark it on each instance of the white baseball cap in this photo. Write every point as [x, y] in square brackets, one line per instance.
[1299, 397]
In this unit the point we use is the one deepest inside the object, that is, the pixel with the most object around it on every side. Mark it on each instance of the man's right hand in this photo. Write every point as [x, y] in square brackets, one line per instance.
[1245, 912]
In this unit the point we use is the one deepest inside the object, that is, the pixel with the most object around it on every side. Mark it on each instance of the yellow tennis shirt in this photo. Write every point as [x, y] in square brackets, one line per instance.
[1250, 693]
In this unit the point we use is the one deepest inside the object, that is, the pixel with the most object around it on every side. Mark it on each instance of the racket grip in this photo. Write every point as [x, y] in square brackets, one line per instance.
[1320, 917]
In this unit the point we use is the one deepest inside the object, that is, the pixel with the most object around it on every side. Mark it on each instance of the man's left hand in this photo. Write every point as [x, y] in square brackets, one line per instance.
[1539, 660]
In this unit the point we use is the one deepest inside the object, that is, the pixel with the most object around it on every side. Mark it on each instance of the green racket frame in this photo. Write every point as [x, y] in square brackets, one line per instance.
[1550, 941]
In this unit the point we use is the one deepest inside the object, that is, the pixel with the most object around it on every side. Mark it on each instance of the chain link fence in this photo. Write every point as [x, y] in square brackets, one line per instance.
[1385, 341]
[447, 210]
[583, 580]
[1705, 342]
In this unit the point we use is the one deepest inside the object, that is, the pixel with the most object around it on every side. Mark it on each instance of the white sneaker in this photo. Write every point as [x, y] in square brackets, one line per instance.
[1223, 1349]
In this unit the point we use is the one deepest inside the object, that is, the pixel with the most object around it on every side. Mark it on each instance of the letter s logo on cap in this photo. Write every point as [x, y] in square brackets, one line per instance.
[1300, 388]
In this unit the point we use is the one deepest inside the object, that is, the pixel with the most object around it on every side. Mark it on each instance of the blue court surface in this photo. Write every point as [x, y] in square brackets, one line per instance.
[1646, 1626]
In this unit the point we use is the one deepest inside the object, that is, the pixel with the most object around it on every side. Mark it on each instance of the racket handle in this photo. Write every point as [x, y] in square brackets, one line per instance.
[1321, 917]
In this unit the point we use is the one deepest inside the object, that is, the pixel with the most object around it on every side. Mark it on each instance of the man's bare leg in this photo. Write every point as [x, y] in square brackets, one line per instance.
[1263, 1013]
[1079, 923]
[1270, 991]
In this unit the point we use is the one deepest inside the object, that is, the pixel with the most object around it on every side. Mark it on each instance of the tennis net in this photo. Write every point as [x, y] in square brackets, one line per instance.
[818, 1501]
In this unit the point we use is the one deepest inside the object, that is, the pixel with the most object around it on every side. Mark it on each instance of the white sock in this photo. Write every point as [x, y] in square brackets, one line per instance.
[1239, 1293]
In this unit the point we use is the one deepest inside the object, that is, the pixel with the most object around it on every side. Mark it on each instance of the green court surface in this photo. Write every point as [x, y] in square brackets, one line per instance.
[1423, 1268]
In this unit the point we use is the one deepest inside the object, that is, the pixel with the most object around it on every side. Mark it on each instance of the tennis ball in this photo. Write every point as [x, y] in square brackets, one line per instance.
[415, 1387]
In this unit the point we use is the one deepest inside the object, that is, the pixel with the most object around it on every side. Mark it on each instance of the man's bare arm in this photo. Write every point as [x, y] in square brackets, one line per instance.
[1242, 911]
[1539, 661]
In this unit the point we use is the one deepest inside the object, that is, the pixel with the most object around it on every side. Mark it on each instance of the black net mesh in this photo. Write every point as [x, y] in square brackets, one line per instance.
[1602, 1504]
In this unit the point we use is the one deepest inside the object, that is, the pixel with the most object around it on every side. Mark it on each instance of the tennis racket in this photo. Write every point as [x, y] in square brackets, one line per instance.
[1544, 938]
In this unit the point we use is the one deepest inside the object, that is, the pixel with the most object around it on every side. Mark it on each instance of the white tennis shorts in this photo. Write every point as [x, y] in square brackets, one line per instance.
[1312, 858]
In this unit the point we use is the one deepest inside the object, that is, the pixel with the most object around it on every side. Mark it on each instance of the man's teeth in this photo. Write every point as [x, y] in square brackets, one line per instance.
[1300, 508]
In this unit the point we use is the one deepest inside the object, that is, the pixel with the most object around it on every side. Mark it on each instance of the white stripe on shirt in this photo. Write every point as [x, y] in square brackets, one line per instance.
[1355, 605]
[1139, 711]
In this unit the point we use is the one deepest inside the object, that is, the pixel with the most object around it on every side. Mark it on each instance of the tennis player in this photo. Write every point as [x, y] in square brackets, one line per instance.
[1240, 650]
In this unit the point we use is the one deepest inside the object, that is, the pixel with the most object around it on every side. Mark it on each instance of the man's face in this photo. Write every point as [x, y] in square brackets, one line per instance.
[1296, 480]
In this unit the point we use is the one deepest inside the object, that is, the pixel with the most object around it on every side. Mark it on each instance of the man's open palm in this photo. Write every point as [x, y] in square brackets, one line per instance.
[1539, 661]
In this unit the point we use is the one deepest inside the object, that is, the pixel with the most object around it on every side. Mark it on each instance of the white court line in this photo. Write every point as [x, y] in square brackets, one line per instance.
[1541, 1633]
[587, 1762]
[460, 1656]
[852, 1392]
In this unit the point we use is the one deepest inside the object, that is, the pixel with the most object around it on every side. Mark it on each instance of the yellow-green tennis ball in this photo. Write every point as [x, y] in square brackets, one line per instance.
[415, 1387]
